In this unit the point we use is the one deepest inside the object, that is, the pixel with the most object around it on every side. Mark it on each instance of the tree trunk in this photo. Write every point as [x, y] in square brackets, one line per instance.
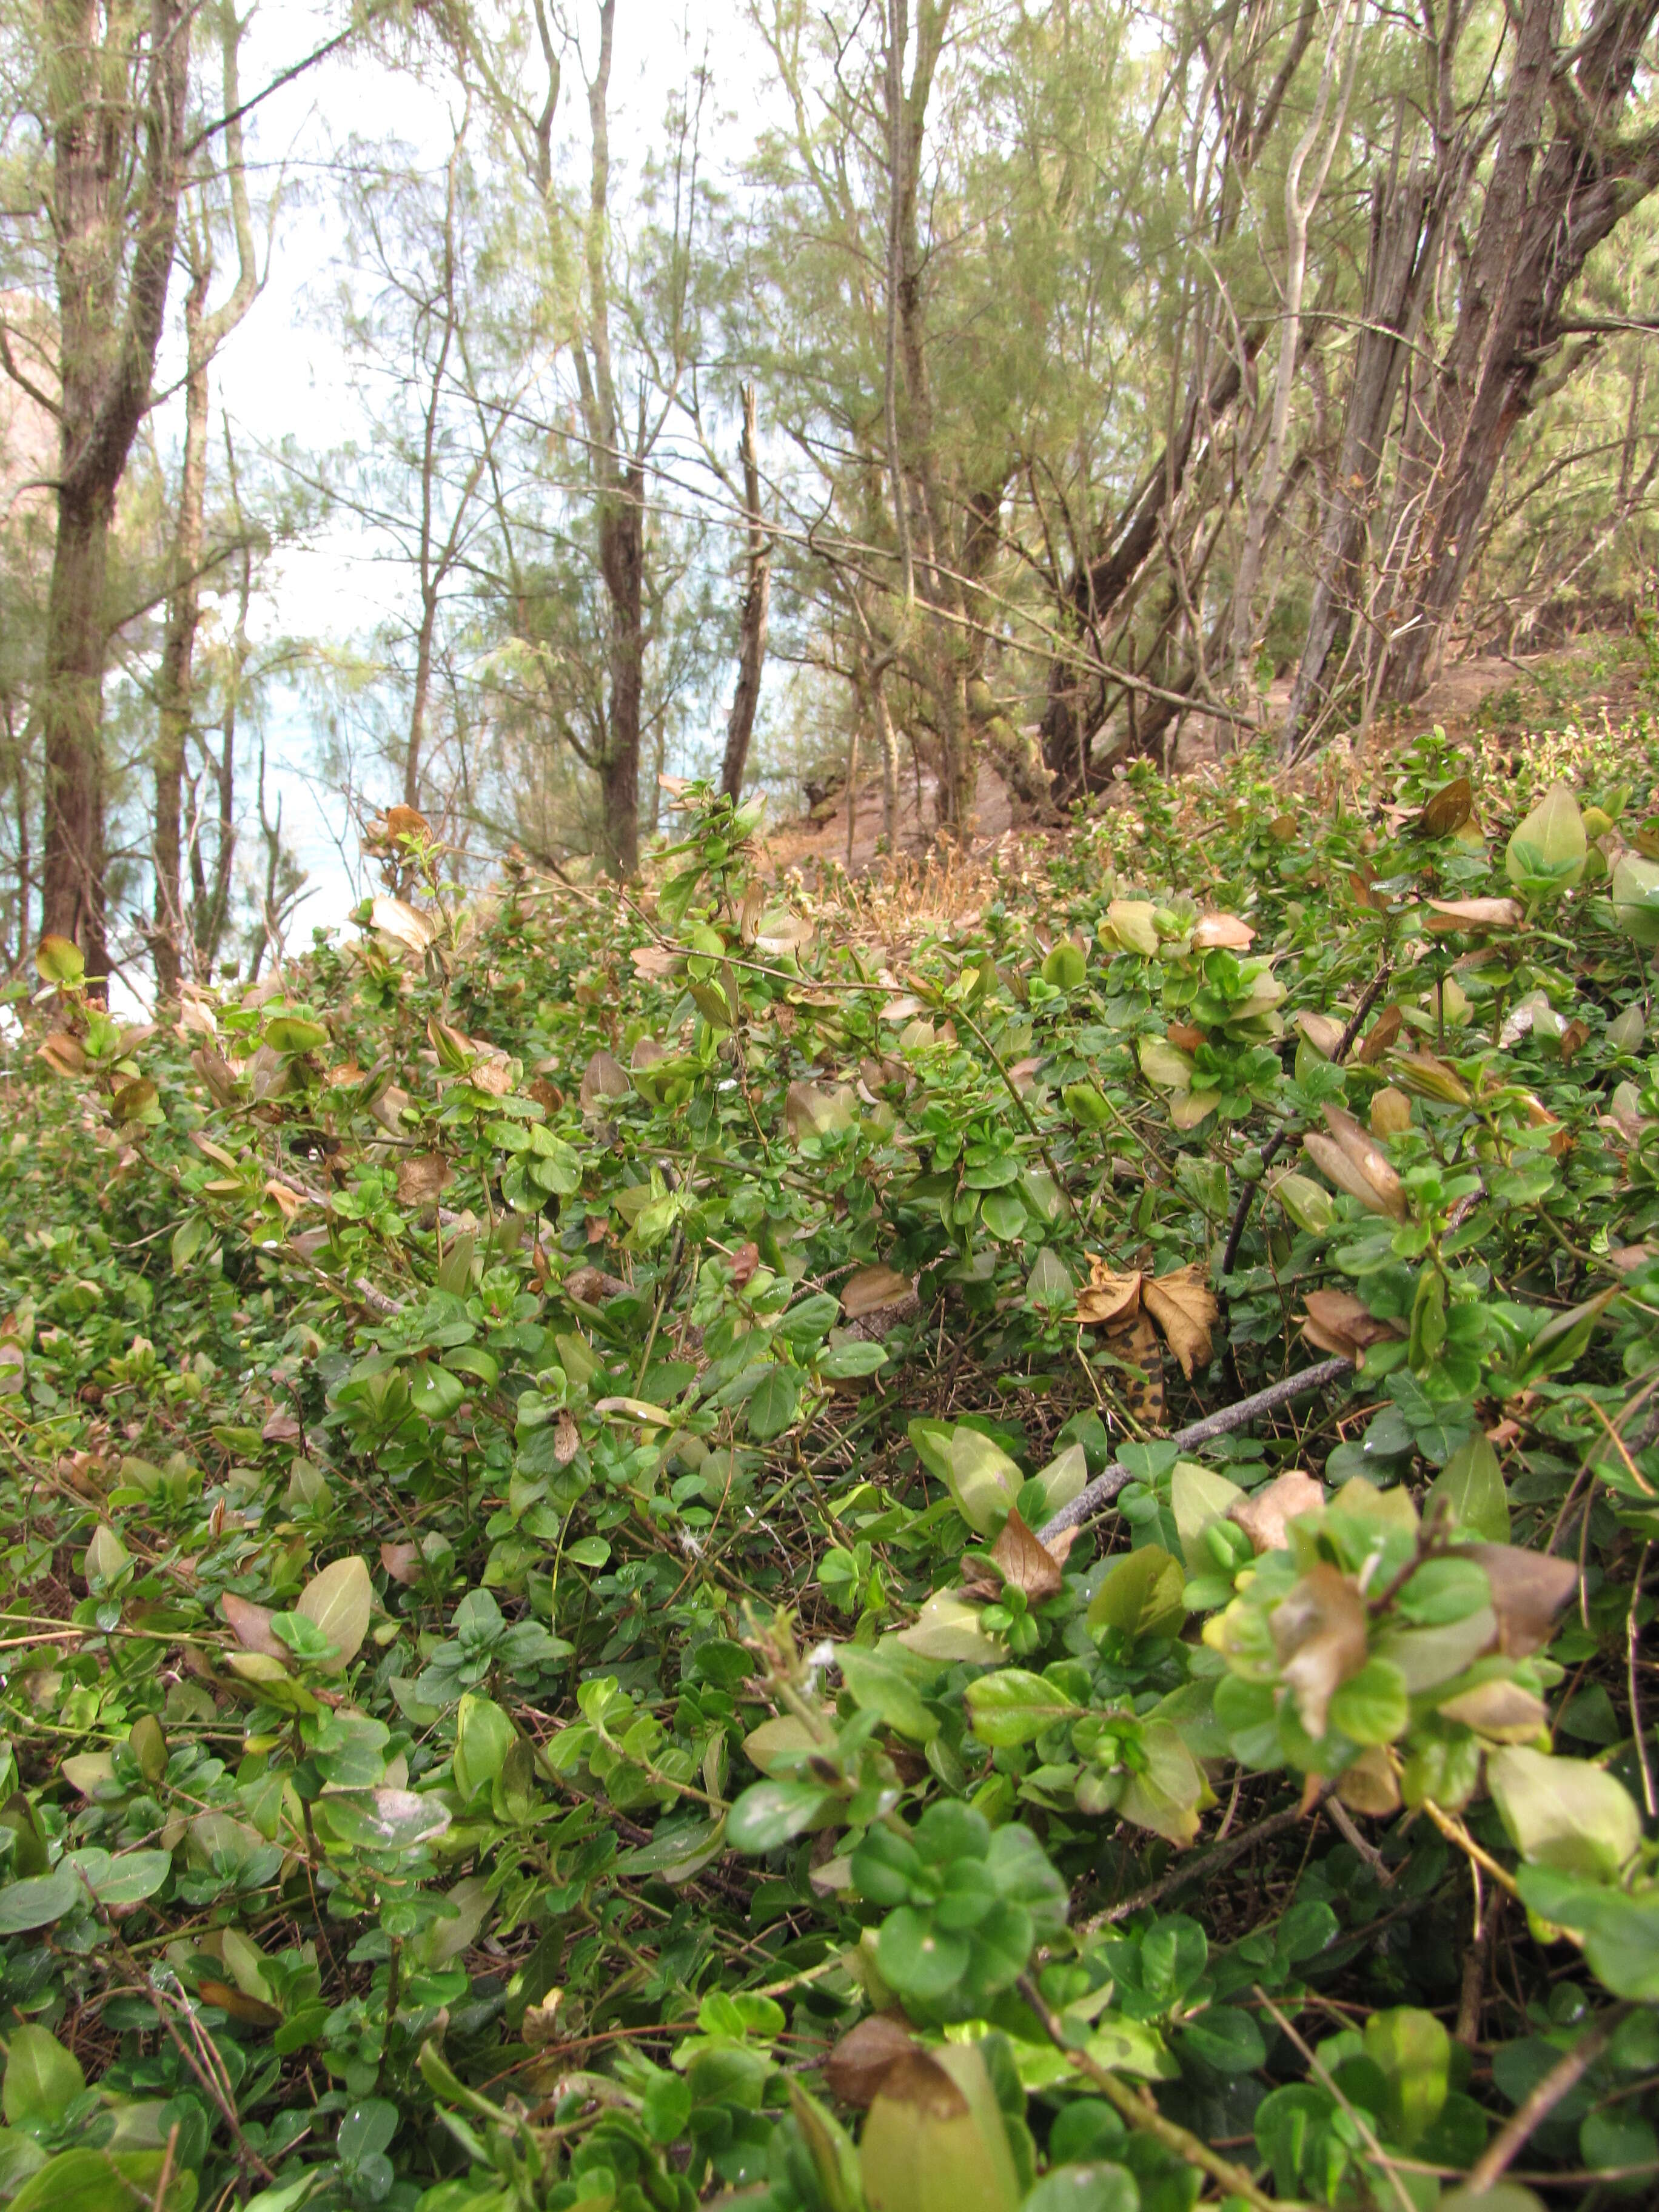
[71, 714]
[752, 623]
[178, 653]
[1397, 269]
[1542, 218]
[621, 564]
[108, 223]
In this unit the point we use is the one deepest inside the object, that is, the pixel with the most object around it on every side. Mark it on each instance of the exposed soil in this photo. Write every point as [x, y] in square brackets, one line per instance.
[1490, 694]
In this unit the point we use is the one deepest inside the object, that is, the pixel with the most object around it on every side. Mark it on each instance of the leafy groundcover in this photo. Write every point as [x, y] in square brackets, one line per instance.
[607, 1601]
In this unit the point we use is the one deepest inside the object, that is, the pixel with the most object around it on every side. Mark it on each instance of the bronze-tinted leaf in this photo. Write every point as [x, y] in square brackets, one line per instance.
[1214, 930]
[566, 1440]
[238, 2005]
[1319, 1633]
[1574, 1038]
[1184, 1307]
[1336, 1320]
[859, 2063]
[62, 1054]
[250, 1625]
[1323, 1032]
[652, 961]
[1266, 1514]
[402, 1561]
[1449, 808]
[604, 1077]
[406, 822]
[421, 1176]
[1025, 1563]
[1380, 1035]
[1528, 1588]
[868, 1289]
[744, 1261]
[282, 1428]
[1390, 1113]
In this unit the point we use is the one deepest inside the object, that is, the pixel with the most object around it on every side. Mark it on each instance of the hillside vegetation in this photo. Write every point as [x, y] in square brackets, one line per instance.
[705, 1544]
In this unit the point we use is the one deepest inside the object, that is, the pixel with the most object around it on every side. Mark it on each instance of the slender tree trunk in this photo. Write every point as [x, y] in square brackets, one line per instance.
[1547, 207]
[1298, 214]
[752, 623]
[71, 715]
[621, 564]
[1402, 254]
[178, 652]
[117, 176]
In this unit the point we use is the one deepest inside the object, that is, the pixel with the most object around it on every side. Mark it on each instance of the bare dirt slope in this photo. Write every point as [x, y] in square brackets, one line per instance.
[1495, 694]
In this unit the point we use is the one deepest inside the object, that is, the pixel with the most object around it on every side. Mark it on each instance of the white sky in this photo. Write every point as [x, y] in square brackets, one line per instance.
[282, 374]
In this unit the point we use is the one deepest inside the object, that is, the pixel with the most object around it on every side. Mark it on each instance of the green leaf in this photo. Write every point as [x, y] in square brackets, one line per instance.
[288, 1033]
[1199, 1499]
[339, 1601]
[882, 1683]
[1636, 908]
[1142, 1592]
[588, 1552]
[102, 2181]
[919, 1959]
[1065, 967]
[484, 1737]
[1225, 2037]
[982, 1480]
[1564, 1812]
[1097, 2185]
[41, 2077]
[1012, 1706]
[1372, 1706]
[39, 1901]
[768, 1813]
[1549, 849]
[772, 1403]
[59, 960]
[845, 1362]
[1414, 2053]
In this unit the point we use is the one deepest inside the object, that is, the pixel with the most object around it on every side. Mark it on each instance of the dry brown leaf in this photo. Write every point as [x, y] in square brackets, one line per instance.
[1134, 1341]
[1185, 1036]
[282, 1428]
[1336, 1321]
[1184, 1307]
[395, 919]
[1025, 1563]
[566, 1440]
[62, 1054]
[587, 1286]
[744, 1261]
[1107, 1297]
[406, 822]
[1266, 1514]
[1574, 1038]
[1448, 914]
[421, 1176]
[867, 1289]
[654, 961]
[1349, 1157]
[250, 1625]
[860, 2062]
[1214, 930]
[402, 1561]
[1528, 1588]
[492, 1073]
[1319, 1633]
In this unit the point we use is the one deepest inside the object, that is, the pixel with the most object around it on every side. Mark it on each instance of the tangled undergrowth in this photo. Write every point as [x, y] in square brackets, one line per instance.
[656, 1552]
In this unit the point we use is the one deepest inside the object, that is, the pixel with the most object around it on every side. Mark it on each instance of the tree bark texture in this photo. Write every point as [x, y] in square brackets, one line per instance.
[106, 357]
[753, 619]
[1548, 206]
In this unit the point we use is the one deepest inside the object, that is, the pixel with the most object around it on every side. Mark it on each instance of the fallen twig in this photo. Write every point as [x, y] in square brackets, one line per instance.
[1105, 1488]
